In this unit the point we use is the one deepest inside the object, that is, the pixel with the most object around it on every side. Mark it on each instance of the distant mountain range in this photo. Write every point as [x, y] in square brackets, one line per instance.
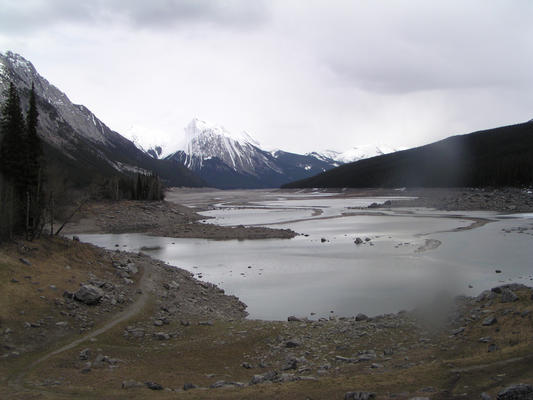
[78, 145]
[494, 157]
[82, 149]
[227, 160]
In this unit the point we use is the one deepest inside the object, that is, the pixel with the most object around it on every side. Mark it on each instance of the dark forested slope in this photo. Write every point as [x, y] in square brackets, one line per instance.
[495, 157]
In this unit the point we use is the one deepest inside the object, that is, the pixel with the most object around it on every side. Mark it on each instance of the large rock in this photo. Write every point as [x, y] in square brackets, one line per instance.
[508, 296]
[359, 396]
[516, 392]
[89, 294]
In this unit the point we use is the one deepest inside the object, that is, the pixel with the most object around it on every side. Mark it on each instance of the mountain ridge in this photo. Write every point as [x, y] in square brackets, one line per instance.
[75, 140]
[497, 157]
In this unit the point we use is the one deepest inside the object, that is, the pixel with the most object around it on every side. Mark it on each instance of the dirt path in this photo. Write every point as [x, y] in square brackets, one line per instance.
[146, 285]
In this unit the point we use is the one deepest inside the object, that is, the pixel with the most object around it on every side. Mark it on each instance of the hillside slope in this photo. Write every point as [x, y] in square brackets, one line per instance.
[494, 157]
[76, 142]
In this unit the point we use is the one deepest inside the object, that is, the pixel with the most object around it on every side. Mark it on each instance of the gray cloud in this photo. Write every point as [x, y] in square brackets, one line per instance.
[19, 17]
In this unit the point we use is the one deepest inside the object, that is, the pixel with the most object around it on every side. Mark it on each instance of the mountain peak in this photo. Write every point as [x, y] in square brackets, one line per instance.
[198, 127]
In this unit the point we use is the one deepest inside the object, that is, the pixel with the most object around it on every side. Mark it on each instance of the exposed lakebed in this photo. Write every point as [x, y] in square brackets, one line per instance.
[412, 255]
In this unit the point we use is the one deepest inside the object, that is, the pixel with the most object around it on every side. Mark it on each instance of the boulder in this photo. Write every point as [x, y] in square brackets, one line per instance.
[359, 396]
[153, 386]
[508, 296]
[516, 392]
[130, 384]
[89, 294]
[489, 321]
[361, 317]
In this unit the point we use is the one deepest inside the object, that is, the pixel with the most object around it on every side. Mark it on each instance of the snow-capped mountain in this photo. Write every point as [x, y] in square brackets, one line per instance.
[355, 153]
[74, 138]
[227, 160]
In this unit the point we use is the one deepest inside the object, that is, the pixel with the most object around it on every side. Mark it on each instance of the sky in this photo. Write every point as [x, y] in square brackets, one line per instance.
[298, 75]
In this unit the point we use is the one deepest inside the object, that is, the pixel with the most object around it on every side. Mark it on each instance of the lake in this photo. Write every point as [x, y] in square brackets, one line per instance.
[412, 255]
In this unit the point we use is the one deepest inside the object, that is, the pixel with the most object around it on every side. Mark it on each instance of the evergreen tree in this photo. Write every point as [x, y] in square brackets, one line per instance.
[34, 148]
[13, 148]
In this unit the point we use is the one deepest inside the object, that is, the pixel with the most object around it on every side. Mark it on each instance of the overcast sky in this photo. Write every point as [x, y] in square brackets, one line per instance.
[300, 75]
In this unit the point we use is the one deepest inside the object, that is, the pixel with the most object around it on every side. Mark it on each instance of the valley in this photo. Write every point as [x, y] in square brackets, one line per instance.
[177, 335]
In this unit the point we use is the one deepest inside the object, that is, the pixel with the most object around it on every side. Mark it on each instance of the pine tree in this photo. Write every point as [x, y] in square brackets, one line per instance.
[34, 146]
[13, 148]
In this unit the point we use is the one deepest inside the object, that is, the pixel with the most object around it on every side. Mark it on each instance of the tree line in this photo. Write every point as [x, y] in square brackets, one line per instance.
[21, 167]
[29, 196]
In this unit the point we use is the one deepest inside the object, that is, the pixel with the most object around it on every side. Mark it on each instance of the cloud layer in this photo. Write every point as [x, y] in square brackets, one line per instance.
[297, 75]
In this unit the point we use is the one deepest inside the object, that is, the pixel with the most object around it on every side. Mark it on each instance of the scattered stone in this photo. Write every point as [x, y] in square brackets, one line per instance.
[189, 386]
[292, 318]
[153, 386]
[158, 322]
[376, 365]
[485, 339]
[359, 395]
[345, 359]
[516, 392]
[292, 343]
[485, 396]
[76, 238]
[62, 323]
[162, 336]
[361, 317]
[508, 296]
[489, 321]
[89, 294]
[358, 241]
[322, 240]
[24, 261]
[498, 271]
[131, 384]
[247, 365]
[290, 363]
[206, 323]
[458, 331]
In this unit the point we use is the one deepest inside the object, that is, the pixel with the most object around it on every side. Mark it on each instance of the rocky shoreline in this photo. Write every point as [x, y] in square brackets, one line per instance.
[146, 328]
[161, 219]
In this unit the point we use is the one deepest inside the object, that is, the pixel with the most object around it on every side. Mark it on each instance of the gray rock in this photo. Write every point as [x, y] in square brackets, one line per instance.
[516, 392]
[292, 318]
[358, 241]
[189, 386]
[485, 396]
[359, 396]
[508, 296]
[220, 384]
[162, 336]
[24, 261]
[266, 377]
[89, 294]
[206, 323]
[158, 322]
[489, 321]
[345, 359]
[290, 363]
[292, 343]
[247, 365]
[131, 384]
[361, 317]
[85, 354]
[153, 386]
[458, 331]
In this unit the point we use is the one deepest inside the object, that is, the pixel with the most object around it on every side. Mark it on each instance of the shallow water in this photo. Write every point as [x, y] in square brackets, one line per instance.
[280, 277]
